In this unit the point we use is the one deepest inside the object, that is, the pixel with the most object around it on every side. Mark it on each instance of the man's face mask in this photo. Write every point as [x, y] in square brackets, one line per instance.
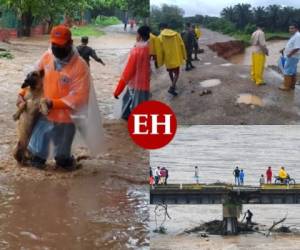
[61, 52]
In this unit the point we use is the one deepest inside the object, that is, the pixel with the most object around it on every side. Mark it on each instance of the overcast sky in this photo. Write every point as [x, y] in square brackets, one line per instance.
[214, 7]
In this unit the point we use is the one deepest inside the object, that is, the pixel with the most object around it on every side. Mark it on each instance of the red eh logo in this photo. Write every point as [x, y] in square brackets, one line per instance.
[152, 125]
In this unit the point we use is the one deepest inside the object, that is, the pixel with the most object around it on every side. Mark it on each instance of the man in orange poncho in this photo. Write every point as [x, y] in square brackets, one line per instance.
[136, 74]
[66, 87]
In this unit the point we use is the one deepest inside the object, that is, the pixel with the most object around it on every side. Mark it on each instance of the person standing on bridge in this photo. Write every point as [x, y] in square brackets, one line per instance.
[86, 52]
[136, 74]
[282, 174]
[236, 174]
[173, 54]
[292, 56]
[258, 42]
[261, 180]
[269, 175]
[242, 176]
[196, 174]
[157, 175]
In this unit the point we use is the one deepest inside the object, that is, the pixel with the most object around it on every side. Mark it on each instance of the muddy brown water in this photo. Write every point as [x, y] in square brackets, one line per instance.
[103, 205]
[216, 150]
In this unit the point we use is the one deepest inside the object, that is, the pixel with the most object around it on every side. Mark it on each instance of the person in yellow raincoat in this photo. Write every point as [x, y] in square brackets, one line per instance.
[155, 50]
[196, 45]
[282, 174]
[259, 53]
[172, 55]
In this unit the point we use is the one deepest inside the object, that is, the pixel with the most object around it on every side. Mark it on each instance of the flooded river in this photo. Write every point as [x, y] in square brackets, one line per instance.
[216, 150]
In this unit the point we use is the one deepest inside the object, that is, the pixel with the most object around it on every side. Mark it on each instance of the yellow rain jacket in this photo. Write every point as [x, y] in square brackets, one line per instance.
[282, 174]
[198, 32]
[173, 49]
[155, 49]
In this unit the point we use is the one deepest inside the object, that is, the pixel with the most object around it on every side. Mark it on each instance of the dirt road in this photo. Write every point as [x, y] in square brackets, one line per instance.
[103, 204]
[257, 105]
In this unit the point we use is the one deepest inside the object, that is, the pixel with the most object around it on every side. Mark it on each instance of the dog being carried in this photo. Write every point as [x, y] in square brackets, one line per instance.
[30, 105]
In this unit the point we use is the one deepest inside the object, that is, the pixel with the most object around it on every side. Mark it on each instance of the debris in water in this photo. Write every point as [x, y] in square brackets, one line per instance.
[210, 83]
[249, 99]
[30, 235]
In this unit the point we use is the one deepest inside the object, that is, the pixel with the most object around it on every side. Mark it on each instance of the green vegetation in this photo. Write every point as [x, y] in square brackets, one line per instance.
[6, 55]
[238, 21]
[88, 30]
[170, 14]
[31, 12]
[106, 21]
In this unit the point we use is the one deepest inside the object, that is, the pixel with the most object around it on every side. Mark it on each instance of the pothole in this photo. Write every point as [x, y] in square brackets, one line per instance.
[210, 83]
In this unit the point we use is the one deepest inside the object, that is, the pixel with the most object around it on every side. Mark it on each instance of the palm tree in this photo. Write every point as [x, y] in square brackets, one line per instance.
[273, 14]
[228, 13]
[259, 15]
[243, 15]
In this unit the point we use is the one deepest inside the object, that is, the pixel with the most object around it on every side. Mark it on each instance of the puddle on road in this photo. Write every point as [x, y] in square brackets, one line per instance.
[249, 99]
[210, 83]
[226, 64]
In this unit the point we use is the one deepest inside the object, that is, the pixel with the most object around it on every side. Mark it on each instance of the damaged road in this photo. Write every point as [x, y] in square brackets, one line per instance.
[224, 105]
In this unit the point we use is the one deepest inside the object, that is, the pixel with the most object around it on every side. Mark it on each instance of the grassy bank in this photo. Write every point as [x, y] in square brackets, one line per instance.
[88, 30]
[106, 21]
[269, 36]
[94, 29]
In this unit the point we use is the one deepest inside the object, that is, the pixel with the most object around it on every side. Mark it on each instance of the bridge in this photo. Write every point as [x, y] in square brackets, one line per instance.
[231, 197]
[218, 194]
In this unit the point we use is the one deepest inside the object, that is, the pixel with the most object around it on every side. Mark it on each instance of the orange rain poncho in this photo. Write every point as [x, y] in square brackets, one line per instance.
[136, 76]
[136, 73]
[74, 99]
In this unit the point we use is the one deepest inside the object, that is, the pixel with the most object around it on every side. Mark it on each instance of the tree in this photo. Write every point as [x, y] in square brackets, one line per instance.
[242, 15]
[260, 16]
[273, 16]
[169, 14]
[228, 13]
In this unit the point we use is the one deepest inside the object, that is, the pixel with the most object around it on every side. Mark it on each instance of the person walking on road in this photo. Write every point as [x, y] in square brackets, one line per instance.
[86, 52]
[173, 54]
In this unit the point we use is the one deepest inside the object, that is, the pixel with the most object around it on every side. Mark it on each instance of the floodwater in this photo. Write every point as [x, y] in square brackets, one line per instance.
[103, 205]
[77, 214]
[274, 47]
[216, 150]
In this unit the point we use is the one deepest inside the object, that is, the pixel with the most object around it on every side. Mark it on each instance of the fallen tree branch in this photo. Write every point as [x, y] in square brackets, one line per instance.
[275, 224]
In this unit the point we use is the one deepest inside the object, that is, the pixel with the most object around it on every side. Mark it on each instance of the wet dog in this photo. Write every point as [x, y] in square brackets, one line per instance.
[32, 106]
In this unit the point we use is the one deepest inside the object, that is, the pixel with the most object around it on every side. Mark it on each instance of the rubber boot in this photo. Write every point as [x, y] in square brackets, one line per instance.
[294, 80]
[287, 84]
